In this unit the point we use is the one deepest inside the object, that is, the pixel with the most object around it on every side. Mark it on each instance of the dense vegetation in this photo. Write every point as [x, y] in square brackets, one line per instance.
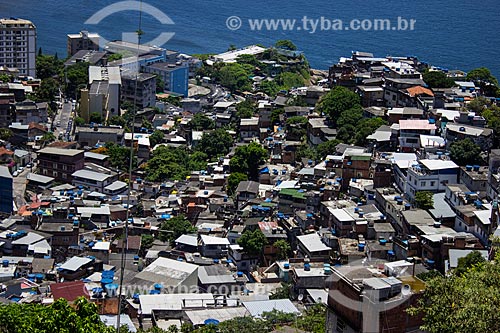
[466, 301]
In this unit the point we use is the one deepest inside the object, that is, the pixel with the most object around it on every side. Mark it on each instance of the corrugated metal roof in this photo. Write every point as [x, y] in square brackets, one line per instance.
[256, 308]
[75, 263]
[198, 317]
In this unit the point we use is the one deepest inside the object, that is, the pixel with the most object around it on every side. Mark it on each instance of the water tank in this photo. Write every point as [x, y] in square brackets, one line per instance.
[158, 286]
[361, 247]
[211, 321]
[239, 274]
[382, 241]
[111, 289]
[286, 266]
[307, 266]
[5, 263]
[105, 282]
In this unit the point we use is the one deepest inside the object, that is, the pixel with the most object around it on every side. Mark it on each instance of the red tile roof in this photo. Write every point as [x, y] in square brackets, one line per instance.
[419, 90]
[69, 290]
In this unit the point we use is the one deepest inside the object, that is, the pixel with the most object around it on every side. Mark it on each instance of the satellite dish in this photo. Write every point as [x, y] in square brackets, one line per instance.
[301, 297]
[406, 290]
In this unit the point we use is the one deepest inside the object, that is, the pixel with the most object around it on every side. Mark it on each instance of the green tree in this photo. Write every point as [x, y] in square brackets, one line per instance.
[236, 76]
[146, 242]
[285, 44]
[160, 84]
[215, 143]
[47, 91]
[77, 76]
[366, 127]
[283, 248]
[119, 156]
[305, 151]
[145, 123]
[175, 227]
[79, 121]
[58, 317]
[289, 80]
[114, 57]
[95, 118]
[479, 104]
[117, 120]
[275, 115]
[245, 109]
[462, 303]
[247, 159]
[4, 78]
[48, 137]
[48, 66]
[465, 151]
[249, 59]
[483, 79]
[252, 242]
[156, 137]
[234, 180]
[473, 259]
[350, 117]
[314, 319]
[200, 121]
[300, 120]
[345, 133]
[424, 200]
[438, 79]
[242, 324]
[5, 134]
[169, 163]
[336, 101]
[269, 87]
[327, 148]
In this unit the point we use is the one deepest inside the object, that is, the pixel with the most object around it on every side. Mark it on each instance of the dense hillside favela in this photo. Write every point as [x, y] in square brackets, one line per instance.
[143, 189]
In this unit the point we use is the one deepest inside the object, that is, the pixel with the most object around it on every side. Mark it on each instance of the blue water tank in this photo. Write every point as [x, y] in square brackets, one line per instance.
[211, 321]
[111, 289]
[240, 274]
[361, 247]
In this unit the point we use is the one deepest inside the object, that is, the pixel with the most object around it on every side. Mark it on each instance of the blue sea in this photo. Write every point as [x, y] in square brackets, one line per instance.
[453, 34]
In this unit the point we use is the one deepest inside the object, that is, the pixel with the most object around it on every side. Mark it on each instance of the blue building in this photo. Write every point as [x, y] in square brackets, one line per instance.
[6, 197]
[174, 75]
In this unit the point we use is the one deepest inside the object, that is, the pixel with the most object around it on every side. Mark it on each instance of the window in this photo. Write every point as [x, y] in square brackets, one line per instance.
[340, 325]
[433, 183]
[422, 184]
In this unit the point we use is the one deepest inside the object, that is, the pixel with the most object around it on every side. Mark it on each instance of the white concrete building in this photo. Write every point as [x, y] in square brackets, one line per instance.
[18, 45]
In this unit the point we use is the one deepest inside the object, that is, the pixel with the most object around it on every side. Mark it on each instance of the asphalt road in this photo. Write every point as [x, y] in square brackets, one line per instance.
[65, 120]
[19, 187]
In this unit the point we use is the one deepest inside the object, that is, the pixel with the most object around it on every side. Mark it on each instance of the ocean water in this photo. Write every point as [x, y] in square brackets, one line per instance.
[453, 34]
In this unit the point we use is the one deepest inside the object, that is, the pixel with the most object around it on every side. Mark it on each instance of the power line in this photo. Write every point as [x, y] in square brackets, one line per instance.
[129, 190]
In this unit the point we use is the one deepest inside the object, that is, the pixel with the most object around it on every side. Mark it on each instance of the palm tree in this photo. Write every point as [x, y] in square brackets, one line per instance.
[48, 137]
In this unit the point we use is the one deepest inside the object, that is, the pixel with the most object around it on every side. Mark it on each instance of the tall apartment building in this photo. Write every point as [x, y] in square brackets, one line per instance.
[83, 40]
[103, 96]
[6, 196]
[144, 95]
[18, 45]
